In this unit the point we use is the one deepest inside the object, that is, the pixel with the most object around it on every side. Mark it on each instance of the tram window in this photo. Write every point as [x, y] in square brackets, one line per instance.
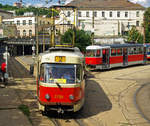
[136, 50]
[119, 52]
[78, 73]
[113, 52]
[42, 73]
[90, 53]
[140, 50]
[98, 53]
[131, 51]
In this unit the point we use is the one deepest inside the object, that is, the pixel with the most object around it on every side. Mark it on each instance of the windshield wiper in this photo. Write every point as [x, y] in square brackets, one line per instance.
[58, 84]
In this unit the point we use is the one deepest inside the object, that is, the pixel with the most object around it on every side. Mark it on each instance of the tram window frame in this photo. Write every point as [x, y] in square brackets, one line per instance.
[113, 53]
[131, 51]
[120, 52]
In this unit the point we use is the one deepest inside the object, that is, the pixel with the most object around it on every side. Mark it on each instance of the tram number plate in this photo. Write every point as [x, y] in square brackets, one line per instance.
[60, 59]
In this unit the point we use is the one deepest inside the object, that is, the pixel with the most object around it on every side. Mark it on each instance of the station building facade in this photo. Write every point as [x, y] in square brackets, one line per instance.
[105, 17]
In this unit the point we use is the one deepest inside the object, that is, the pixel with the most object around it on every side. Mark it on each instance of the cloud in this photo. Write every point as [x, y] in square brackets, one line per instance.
[145, 3]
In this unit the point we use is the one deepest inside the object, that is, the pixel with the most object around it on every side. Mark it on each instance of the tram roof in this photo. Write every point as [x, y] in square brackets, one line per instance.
[96, 47]
[123, 45]
[71, 49]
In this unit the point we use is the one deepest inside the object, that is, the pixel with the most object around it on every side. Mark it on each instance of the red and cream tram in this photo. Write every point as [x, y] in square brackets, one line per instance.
[115, 55]
[61, 80]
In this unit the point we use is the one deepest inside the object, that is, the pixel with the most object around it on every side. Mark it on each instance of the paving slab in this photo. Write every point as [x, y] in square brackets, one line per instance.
[13, 117]
[8, 98]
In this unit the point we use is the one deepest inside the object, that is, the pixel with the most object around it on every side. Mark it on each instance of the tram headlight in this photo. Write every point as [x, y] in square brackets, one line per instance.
[71, 97]
[47, 97]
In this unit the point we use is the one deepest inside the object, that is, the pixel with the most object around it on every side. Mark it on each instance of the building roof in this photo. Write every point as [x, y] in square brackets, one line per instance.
[105, 5]
[3, 11]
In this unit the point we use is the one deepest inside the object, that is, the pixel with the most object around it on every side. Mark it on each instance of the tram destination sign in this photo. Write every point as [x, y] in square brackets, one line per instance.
[60, 59]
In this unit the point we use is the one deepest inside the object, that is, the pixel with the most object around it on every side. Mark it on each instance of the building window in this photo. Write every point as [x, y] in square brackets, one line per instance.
[68, 22]
[18, 22]
[30, 22]
[118, 14]
[137, 14]
[87, 14]
[18, 32]
[95, 14]
[24, 32]
[110, 14]
[126, 14]
[79, 14]
[68, 14]
[137, 23]
[103, 14]
[24, 22]
[30, 33]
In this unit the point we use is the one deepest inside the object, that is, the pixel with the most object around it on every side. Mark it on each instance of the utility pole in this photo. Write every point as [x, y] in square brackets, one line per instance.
[43, 39]
[92, 35]
[74, 27]
[37, 48]
[53, 29]
[144, 30]
[37, 37]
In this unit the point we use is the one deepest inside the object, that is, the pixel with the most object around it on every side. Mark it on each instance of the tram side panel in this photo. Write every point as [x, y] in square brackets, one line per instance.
[135, 59]
[116, 61]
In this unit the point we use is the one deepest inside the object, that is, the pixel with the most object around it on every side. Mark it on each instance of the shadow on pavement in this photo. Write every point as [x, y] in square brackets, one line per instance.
[96, 101]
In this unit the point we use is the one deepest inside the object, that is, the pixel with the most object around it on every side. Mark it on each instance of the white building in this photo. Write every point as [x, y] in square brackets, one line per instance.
[105, 17]
[26, 25]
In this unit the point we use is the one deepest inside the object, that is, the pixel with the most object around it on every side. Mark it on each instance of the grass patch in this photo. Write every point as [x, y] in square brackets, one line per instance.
[25, 110]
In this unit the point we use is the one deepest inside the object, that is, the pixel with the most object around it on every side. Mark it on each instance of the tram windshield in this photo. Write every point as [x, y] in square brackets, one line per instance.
[60, 73]
[93, 53]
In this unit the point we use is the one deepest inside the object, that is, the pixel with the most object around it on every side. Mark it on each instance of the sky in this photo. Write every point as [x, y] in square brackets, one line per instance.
[40, 3]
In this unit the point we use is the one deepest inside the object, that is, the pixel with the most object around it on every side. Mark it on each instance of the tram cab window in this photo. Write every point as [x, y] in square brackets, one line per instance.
[60, 73]
[113, 52]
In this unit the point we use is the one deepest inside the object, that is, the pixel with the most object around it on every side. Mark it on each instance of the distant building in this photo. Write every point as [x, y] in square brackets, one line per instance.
[26, 26]
[17, 4]
[5, 15]
[105, 17]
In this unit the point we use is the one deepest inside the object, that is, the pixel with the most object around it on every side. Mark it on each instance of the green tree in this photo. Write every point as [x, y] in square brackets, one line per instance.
[82, 39]
[134, 35]
[147, 25]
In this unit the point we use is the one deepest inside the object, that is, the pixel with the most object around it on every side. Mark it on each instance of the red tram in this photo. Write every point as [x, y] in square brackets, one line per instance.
[61, 80]
[115, 55]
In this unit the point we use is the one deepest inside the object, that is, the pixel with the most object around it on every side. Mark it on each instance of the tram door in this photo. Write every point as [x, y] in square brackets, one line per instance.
[125, 57]
[145, 54]
[105, 58]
